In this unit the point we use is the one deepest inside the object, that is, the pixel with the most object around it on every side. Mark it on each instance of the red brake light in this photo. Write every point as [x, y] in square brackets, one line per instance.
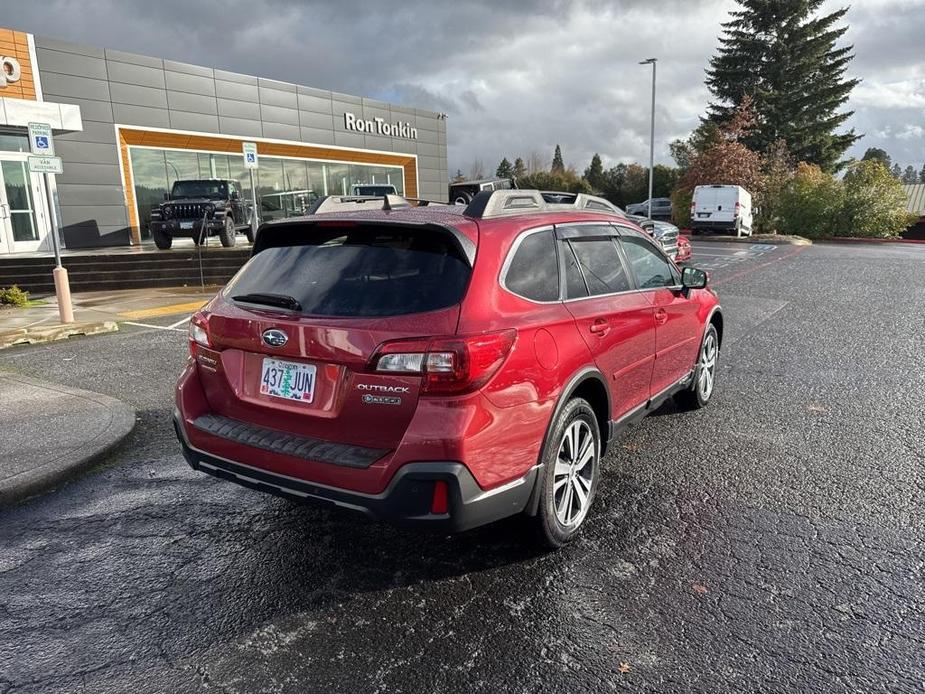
[448, 364]
[198, 332]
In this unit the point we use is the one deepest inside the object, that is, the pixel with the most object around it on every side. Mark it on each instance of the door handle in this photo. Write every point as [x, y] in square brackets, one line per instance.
[661, 316]
[600, 327]
[4, 210]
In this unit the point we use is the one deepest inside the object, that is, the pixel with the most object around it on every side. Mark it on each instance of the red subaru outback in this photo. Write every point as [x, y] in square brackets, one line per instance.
[443, 366]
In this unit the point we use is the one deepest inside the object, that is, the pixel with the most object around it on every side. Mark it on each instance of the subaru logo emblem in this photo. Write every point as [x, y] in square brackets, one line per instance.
[275, 338]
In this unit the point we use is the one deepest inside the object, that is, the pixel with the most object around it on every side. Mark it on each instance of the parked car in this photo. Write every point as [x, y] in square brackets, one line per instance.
[373, 189]
[664, 232]
[443, 366]
[201, 208]
[721, 208]
[661, 208]
[463, 192]
[685, 252]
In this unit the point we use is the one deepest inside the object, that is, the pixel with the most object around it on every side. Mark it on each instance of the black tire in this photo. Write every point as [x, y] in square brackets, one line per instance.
[227, 234]
[462, 198]
[551, 530]
[161, 239]
[698, 395]
[249, 233]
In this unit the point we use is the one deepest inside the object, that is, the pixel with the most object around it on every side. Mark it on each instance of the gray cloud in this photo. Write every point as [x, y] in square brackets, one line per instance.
[513, 77]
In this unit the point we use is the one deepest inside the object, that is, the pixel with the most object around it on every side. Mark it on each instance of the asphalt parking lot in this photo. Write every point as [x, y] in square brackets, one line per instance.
[771, 542]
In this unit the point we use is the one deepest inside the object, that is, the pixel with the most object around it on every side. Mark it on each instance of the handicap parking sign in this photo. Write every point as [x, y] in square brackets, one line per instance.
[40, 142]
[250, 155]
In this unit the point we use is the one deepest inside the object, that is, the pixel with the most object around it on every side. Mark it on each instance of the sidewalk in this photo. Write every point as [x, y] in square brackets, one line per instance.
[97, 312]
[51, 432]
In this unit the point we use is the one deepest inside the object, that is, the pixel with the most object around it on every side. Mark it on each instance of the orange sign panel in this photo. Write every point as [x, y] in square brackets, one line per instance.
[16, 77]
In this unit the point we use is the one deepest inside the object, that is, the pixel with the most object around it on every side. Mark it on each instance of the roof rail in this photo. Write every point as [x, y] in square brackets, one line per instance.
[352, 203]
[490, 204]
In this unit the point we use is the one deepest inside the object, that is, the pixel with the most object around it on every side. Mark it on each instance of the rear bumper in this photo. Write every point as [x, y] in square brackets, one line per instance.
[714, 224]
[406, 501]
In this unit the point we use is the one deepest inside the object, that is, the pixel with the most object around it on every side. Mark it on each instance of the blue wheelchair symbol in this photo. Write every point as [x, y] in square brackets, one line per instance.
[41, 142]
[251, 157]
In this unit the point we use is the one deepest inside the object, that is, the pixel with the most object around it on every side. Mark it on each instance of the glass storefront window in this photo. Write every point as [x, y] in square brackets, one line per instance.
[338, 179]
[14, 142]
[149, 171]
[285, 187]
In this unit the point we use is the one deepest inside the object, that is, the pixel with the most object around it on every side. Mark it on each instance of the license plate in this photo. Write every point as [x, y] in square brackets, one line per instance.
[186, 225]
[703, 214]
[288, 380]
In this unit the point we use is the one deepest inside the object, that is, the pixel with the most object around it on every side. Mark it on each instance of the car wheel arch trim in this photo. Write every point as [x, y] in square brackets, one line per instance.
[583, 375]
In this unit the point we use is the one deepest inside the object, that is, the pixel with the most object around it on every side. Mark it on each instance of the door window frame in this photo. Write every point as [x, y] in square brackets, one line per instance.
[40, 213]
[626, 232]
[583, 230]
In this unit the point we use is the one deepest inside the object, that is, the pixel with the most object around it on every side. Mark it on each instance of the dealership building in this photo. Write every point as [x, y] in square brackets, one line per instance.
[127, 126]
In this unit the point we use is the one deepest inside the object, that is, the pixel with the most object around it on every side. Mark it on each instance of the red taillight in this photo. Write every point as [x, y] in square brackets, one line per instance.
[440, 504]
[198, 332]
[449, 365]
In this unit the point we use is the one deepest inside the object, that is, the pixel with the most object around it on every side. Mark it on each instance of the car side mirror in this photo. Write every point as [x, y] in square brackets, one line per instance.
[234, 195]
[692, 278]
[166, 197]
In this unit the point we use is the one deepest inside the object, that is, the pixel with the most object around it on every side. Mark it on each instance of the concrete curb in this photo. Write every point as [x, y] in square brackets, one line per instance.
[775, 239]
[79, 458]
[50, 333]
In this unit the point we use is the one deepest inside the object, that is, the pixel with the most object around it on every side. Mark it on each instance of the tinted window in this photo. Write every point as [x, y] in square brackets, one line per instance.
[361, 272]
[216, 190]
[575, 287]
[601, 265]
[534, 270]
[650, 267]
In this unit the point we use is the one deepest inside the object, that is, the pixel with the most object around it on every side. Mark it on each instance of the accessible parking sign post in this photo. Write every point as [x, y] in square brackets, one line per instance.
[44, 161]
[251, 164]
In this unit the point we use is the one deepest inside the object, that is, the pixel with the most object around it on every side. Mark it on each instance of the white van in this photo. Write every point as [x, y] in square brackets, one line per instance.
[722, 208]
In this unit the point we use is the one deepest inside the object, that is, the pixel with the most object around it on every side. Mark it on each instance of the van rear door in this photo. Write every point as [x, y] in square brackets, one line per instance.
[715, 203]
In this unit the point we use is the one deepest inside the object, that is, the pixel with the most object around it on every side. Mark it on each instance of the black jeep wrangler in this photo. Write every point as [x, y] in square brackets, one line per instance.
[199, 209]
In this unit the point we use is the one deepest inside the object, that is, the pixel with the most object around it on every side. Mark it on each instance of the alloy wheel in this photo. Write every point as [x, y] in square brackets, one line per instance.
[708, 354]
[573, 478]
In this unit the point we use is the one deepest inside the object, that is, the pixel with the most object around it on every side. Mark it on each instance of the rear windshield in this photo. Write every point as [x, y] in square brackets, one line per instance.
[362, 272]
[215, 190]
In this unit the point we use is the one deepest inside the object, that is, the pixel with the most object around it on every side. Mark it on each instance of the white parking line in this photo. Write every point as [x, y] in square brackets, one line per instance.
[179, 322]
[156, 327]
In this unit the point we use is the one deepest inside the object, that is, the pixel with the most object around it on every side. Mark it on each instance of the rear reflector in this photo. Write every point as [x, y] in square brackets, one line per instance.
[440, 504]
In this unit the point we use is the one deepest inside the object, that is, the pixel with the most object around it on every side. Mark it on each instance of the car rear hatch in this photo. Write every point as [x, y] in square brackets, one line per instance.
[715, 203]
[292, 337]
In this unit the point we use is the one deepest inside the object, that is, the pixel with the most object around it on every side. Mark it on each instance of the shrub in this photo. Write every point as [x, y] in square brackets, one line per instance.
[811, 204]
[13, 296]
[681, 200]
[875, 202]
[567, 181]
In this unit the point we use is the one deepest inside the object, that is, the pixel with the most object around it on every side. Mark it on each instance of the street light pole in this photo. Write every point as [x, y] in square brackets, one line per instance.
[652, 62]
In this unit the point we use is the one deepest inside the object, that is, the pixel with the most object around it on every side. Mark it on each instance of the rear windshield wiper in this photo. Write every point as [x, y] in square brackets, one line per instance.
[281, 300]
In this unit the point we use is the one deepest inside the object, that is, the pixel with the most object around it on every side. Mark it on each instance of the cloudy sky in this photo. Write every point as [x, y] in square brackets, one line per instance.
[514, 77]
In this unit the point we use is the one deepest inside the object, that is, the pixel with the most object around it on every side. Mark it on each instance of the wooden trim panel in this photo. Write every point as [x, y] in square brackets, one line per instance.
[222, 144]
[16, 44]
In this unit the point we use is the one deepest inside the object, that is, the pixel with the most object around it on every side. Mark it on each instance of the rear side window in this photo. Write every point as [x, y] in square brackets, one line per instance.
[601, 265]
[650, 268]
[534, 270]
[366, 271]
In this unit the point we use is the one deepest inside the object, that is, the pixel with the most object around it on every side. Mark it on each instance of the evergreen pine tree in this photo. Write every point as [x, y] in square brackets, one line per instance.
[520, 170]
[558, 166]
[594, 174]
[785, 57]
[897, 171]
[504, 169]
[922, 174]
[910, 176]
[877, 154]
